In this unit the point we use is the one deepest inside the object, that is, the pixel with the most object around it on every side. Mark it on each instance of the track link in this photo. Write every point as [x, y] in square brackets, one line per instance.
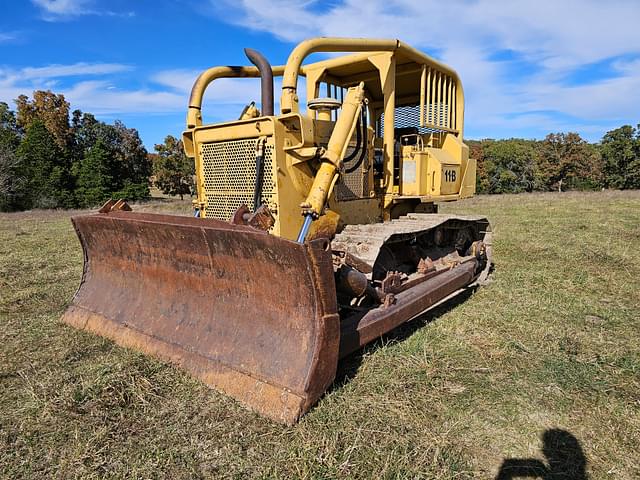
[366, 241]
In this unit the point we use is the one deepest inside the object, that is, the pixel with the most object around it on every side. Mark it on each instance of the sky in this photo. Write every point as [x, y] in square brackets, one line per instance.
[528, 67]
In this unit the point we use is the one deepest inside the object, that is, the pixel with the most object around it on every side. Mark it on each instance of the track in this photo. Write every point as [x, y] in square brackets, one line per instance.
[398, 251]
[368, 241]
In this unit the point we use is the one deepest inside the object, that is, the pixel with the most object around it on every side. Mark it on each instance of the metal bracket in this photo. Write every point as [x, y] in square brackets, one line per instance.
[111, 205]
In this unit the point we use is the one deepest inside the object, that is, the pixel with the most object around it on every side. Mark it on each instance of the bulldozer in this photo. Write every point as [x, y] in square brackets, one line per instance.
[314, 231]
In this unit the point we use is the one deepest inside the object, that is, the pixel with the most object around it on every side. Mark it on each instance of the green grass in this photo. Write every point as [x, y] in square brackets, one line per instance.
[552, 343]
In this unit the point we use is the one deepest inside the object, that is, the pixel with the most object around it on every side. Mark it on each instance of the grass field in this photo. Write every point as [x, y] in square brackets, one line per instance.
[537, 373]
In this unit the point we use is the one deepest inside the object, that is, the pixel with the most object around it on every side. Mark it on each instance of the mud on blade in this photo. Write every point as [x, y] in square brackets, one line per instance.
[249, 313]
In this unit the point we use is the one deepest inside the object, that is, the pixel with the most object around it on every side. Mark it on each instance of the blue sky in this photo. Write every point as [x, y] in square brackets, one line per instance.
[528, 68]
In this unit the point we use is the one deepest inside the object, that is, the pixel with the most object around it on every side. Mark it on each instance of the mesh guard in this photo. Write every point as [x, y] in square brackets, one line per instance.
[229, 169]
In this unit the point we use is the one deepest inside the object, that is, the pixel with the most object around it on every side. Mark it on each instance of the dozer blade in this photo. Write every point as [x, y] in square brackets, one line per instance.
[250, 314]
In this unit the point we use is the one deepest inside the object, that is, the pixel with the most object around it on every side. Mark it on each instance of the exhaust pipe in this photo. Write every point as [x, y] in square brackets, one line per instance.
[266, 79]
[266, 93]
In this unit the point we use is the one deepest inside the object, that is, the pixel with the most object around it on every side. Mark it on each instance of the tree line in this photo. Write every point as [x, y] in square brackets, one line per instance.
[51, 157]
[562, 161]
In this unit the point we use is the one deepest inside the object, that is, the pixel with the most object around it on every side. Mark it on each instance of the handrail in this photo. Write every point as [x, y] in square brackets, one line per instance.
[289, 98]
[290, 72]
[194, 115]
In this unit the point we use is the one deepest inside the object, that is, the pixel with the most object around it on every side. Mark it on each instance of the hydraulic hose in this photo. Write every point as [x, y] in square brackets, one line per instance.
[257, 191]
[355, 151]
[363, 151]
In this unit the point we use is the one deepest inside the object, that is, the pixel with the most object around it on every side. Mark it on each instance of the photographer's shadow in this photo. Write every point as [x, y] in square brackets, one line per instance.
[565, 460]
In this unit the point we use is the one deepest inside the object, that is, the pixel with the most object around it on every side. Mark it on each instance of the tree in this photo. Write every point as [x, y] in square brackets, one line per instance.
[510, 165]
[134, 166]
[620, 149]
[127, 162]
[172, 169]
[10, 181]
[47, 183]
[476, 152]
[567, 161]
[49, 108]
[94, 178]
[9, 131]
[44, 158]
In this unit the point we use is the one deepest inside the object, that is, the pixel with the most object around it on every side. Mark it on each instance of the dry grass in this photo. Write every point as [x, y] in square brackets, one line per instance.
[552, 343]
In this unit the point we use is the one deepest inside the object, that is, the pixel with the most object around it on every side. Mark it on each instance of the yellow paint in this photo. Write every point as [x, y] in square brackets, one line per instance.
[305, 149]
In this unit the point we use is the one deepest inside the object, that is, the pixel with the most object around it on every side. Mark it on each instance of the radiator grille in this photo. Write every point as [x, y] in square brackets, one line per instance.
[353, 185]
[230, 175]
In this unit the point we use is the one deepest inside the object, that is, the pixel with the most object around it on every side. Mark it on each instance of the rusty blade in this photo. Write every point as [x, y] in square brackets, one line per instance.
[250, 314]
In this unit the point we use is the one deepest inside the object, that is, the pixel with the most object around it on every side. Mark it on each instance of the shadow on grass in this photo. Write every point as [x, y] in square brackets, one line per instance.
[348, 367]
[565, 460]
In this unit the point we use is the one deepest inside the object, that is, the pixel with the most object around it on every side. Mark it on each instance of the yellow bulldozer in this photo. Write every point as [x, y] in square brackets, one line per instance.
[315, 231]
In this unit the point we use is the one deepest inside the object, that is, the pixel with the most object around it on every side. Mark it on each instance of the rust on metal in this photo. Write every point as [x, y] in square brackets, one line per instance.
[351, 281]
[325, 226]
[258, 317]
[241, 215]
[347, 258]
[111, 205]
[249, 313]
[106, 207]
[392, 282]
[262, 218]
[359, 330]
[425, 266]
[121, 205]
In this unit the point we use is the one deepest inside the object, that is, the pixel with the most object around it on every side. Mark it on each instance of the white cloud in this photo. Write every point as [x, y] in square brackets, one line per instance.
[14, 82]
[64, 7]
[91, 87]
[7, 37]
[550, 39]
[54, 10]
[180, 80]
[223, 90]
[99, 97]
[76, 69]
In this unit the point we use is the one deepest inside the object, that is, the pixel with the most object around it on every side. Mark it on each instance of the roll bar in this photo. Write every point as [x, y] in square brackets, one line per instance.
[293, 68]
[289, 99]
[194, 114]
